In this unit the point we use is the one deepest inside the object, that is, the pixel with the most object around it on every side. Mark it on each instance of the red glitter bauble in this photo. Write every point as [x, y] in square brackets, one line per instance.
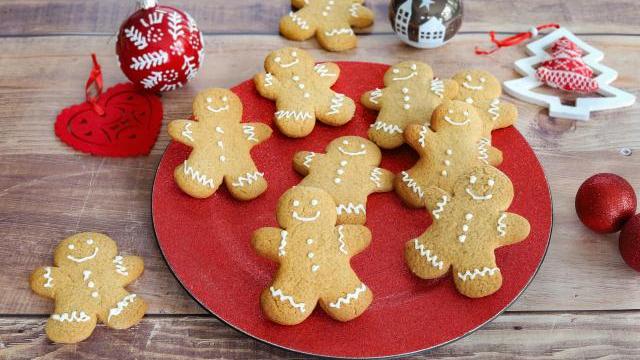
[630, 242]
[605, 202]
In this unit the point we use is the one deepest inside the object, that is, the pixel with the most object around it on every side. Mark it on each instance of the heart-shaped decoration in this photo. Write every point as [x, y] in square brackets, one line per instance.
[128, 126]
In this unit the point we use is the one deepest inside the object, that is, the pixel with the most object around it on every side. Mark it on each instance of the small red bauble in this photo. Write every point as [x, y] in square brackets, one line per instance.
[605, 202]
[159, 47]
[630, 242]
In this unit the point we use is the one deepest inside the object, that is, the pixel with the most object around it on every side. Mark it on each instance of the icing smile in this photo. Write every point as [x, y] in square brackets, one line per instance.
[467, 84]
[293, 63]
[363, 152]
[405, 77]
[476, 197]
[306, 219]
[81, 260]
[217, 110]
[457, 123]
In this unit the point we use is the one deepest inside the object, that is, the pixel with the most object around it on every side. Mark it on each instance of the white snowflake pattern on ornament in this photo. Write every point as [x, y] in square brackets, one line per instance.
[154, 35]
[177, 48]
[171, 75]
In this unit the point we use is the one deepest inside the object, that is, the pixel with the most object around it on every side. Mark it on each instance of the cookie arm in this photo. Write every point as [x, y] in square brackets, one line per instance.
[417, 136]
[372, 99]
[183, 131]
[267, 85]
[508, 115]
[381, 179]
[127, 269]
[328, 73]
[352, 239]
[44, 280]
[360, 16]
[255, 133]
[436, 201]
[495, 156]
[512, 228]
[303, 160]
[451, 89]
[270, 242]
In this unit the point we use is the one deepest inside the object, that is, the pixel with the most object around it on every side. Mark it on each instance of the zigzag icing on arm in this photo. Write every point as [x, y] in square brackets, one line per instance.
[298, 20]
[477, 272]
[268, 79]
[494, 109]
[388, 128]
[248, 178]
[345, 300]
[339, 31]
[426, 253]
[374, 176]
[187, 132]
[71, 317]
[121, 305]
[350, 208]
[196, 176]
[283, 243]
[437, 211]
[375, 95]
[422, 136]
[308, 159]
[502, 226]
[412, 184]
[278, 294]
[353, 10]
[47, 276]
[323, 71]
[483, 150]
[336, 104]
[120, 268]
[437, 87]
[292, 114]
[250, 133]
[343, 245]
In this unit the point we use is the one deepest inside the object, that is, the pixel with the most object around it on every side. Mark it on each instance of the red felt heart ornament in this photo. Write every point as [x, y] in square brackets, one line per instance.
[121, 122]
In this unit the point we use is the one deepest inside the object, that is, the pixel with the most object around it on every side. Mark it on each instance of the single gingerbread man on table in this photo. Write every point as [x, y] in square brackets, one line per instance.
[331, 21]
[468, 226]
[87, 284]
[314, 257]
[221, 148]
[409, 97]
[302, 92]
[349, 172]
[447, 150]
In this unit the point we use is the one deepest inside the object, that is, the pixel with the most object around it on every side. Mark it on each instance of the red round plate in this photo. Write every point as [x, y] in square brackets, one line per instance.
[207, 243]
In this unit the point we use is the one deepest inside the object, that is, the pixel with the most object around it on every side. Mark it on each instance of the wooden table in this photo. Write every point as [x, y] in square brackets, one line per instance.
[584, 302]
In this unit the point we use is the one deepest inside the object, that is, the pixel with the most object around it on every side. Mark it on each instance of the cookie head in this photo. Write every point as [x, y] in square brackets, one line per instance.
[456, 115]
[477, 84]
[408, 71]
[485, 186]
[219, 103]
[287, 61]
[85, 249]
[357, 148]
[306, 205]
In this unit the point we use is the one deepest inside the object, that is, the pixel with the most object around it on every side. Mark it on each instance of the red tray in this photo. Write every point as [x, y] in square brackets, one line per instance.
[206, 243]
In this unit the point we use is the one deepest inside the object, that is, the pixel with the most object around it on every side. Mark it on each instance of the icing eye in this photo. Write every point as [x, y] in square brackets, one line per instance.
[277, 59]
[71, 247]
[296, 203]
[468, 77]
[314, 202]
[209, 100]
[413, 66]
[395, 71]
[483, 80]
[294, 54]
[225, 99]
[491, 182]
[345, 142]
[473, 179]
[361, 146]
[90, 242]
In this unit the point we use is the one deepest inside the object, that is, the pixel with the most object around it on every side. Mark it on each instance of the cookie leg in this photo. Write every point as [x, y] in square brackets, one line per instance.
[197, 179]
[349, 300]
[71, 322]
[247, 183]
[386, 132]
[122, 310]
[410, 189]
[424, 259]
[295, 117]
[287, 302]
[477, 279]
[337, 38]
[335, 109]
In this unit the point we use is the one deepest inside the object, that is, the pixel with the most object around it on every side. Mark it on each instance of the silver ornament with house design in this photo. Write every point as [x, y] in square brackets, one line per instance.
[425, 24]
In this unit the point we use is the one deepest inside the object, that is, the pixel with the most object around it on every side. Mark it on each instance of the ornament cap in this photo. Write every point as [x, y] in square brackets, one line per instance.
[147, 4]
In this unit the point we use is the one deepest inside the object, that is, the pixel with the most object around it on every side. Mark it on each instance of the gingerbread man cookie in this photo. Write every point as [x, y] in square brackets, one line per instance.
[314, 258]
[331, 21]
[482, 90]
[221, 148]
[302, 92]
[409, 97]
[468, 226]
[87, 284]
[446, 152]
[349, 172]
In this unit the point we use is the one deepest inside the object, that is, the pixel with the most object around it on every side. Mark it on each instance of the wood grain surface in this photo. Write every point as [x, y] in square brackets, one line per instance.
[584, 302]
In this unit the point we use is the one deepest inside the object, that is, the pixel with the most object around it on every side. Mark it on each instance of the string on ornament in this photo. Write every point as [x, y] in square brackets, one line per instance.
[94, 81]
[515, 39]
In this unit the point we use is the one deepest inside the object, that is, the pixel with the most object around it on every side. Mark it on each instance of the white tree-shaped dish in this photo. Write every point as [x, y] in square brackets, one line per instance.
[610, 97]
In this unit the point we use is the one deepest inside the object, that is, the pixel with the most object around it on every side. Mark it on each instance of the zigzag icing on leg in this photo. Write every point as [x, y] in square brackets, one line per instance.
[345, 300]
[437, 87]
[121, 305]
[351, 208]
[250, 133]
[278, 294]
[296, 115]
[388, 128]
[336, 104]
[340, 31]
[412, 184]
[375, 176]
[71, 317]
[196, 176]
[248, 178]
[477, 272]
[426, 253]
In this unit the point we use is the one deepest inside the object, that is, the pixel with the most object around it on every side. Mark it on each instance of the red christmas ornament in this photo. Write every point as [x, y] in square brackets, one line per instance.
[605, 202]
[123, 121]
[160, 47]
[629, 242]
[566, 70]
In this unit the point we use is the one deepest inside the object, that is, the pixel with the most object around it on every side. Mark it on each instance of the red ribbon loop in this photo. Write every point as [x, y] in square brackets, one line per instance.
[94, 81]
[515, 39]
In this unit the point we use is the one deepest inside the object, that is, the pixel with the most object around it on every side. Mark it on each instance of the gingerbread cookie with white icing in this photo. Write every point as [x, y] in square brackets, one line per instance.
[87, 284]
[483, 90]
[409, 97]
[221, 148]
[314, 256]
[349, 172]
[468, 225]
[331, 21]
[302, 92]
[447, 149]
